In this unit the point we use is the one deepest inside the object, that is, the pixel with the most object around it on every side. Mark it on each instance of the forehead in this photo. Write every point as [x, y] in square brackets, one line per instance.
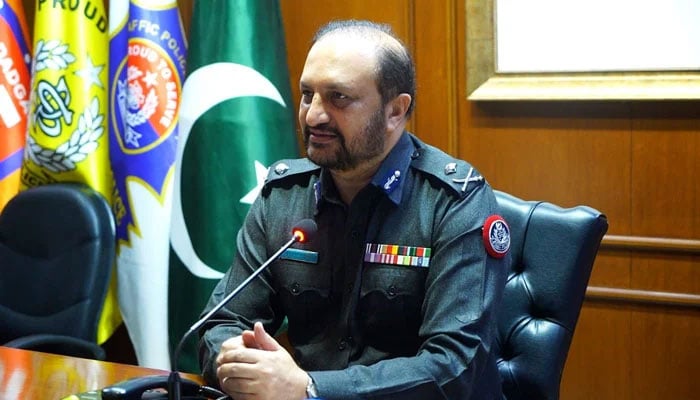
[342, 60]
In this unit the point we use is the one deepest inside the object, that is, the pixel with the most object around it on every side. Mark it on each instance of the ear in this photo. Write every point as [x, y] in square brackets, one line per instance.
[396, 110]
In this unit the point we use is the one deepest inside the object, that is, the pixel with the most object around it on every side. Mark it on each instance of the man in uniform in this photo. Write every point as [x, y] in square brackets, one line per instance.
[397, 296]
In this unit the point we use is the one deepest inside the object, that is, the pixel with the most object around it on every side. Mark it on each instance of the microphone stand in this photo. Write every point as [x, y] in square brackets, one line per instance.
[174, 392]
[133, 389]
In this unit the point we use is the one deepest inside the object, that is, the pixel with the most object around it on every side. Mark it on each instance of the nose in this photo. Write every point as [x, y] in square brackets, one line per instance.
[315, 112]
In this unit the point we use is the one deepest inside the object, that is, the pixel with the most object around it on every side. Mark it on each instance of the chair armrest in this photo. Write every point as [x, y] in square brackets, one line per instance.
[59, 344]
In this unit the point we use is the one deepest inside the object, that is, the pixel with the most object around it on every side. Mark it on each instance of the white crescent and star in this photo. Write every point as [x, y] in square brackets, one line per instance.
[260, 175]
[205, 88]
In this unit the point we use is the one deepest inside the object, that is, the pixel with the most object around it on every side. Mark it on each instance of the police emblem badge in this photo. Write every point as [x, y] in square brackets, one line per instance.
[496, 235]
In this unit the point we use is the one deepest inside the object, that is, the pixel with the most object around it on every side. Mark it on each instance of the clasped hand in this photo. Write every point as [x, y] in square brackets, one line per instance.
[254, 366]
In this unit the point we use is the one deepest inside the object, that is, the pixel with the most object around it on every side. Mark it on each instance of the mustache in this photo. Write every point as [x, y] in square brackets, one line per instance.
[322, 128]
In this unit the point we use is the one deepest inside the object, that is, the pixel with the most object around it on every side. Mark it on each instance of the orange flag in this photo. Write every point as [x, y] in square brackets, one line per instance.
[15, 58]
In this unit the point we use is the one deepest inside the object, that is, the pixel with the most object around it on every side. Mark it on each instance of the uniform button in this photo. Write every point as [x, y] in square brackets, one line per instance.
[354, 234]
[281, 168]
[392, 290]
[350, 288]
[342, 345]
[295, 288]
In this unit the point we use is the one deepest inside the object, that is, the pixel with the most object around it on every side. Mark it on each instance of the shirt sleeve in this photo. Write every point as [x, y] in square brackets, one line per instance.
[252, 304]
[463, 291]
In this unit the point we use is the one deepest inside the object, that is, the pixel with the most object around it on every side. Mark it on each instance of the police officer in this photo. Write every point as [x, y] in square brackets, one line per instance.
[396, 297]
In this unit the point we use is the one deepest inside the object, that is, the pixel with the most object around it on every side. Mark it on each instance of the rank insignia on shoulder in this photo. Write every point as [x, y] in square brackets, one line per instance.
[496, 234]
[464, 181]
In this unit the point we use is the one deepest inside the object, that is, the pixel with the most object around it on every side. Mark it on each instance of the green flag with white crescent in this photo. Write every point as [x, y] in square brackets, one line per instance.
[236, 119]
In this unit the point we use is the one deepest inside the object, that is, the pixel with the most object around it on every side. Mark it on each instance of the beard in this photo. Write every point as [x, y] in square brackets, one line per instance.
[365, 146]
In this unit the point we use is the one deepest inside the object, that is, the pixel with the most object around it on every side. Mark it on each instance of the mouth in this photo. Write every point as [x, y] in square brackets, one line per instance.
[320, 136]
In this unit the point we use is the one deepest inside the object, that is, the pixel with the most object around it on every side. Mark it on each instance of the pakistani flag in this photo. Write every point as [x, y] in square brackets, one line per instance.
[236, 118]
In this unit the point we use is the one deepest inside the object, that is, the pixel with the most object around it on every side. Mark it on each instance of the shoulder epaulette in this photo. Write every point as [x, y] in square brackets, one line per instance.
[457, 175]
[284, 169]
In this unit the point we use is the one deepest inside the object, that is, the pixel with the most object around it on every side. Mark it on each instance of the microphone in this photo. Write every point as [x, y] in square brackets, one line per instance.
[302, 232]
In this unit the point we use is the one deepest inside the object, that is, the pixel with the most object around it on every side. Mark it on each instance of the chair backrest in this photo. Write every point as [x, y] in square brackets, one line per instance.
[57, 245]
[552, 253]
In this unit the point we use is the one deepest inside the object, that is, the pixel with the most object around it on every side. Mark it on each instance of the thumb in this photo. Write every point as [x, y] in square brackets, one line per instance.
[263, 339]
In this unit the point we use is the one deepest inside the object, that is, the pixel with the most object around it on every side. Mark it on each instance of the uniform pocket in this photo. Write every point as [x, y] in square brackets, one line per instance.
[391, 298]
[304, 292]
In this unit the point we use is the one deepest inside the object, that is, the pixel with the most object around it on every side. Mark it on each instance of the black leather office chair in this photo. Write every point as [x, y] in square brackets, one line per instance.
[552, 252]
[57, 248]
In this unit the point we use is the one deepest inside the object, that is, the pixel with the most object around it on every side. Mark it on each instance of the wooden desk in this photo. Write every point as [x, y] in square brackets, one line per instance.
[33, 375]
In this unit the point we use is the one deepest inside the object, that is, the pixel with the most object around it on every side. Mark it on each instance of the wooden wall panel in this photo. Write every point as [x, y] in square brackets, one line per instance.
[664, 353]
[666, 162]
[559, 153]
[675, 274]
[611, 269]
[436, 24]
[609, 376]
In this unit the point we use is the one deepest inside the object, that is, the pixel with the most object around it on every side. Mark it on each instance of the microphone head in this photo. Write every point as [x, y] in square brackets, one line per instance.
[304, 230]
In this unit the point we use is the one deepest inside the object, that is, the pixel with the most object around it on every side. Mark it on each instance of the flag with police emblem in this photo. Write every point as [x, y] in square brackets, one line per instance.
[147, 67]
[236, 119]
[67, 134]
[15, 59]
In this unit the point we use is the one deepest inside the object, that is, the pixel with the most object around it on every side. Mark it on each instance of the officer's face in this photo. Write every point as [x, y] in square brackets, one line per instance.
[341, 112]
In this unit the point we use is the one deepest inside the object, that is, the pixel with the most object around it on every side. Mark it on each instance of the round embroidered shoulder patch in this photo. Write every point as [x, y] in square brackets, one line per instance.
[496, 234]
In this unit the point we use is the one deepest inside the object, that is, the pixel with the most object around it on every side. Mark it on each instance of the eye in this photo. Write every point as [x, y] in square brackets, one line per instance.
[307, 96]
[340, 99]
[339, 96]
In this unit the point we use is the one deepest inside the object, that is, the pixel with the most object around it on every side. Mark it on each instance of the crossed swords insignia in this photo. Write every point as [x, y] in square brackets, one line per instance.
[465, 181]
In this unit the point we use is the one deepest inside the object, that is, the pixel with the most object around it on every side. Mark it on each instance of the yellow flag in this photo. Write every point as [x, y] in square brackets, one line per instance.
[67, 139]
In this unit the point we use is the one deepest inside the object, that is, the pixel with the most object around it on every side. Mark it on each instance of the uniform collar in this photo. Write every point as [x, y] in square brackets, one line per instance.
[324, 190]
[389, 179]
[393, 171]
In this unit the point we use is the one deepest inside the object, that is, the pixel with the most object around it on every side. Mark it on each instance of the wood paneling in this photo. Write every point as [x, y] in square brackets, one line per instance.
[664, 353]
[638, 162]
[436, 24]
[599, 362]
[655, 244]
[644, 297]
[666, 168]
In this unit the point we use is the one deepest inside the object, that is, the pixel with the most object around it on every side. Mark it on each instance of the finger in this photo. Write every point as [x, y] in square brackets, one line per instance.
[248, 338]
[235, 342]
[237, 371]
[229, 344]
[263, 339]
[242, 355]
[238, 388]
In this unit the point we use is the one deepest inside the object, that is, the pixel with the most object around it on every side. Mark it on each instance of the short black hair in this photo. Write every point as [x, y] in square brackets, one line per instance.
[396, 73]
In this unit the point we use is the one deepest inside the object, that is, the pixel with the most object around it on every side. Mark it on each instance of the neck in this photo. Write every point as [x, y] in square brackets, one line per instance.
[349, 183]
